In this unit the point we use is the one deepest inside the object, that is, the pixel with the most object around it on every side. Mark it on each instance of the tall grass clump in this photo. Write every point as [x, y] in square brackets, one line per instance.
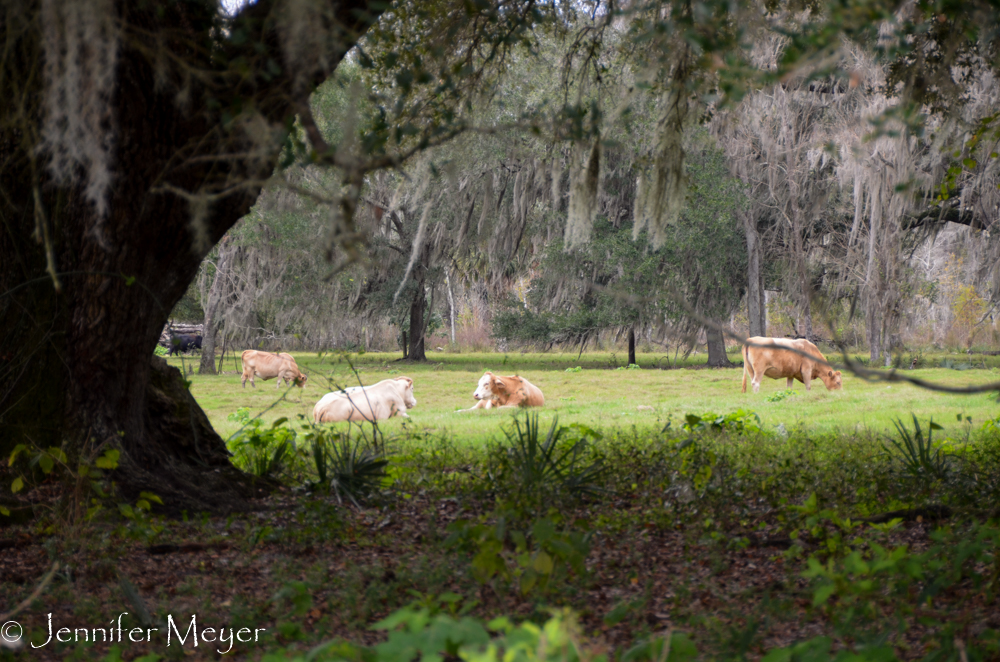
[537, 469]
[349, 467]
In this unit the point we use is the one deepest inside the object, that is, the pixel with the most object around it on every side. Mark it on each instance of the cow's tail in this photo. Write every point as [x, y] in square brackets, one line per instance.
[746, 367]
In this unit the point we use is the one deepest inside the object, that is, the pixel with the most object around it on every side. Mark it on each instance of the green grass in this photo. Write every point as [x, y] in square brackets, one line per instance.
[599, 395]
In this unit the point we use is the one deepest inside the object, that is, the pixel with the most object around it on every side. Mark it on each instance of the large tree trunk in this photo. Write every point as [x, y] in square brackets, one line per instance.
[417, 312]
[207, 366]
[631, 346]
[756, 307]
[76, 361]
[717, 349]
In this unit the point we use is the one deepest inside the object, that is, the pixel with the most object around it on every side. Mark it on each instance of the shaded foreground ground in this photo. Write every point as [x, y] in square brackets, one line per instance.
[309, 570]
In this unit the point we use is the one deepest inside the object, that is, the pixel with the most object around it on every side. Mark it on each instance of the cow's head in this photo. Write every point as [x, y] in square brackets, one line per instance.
[489, 386]
[300, 380]
[832, 379]
[408, 398]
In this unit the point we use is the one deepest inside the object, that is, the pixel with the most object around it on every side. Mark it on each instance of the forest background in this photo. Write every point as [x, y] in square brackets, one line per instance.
[471, 245]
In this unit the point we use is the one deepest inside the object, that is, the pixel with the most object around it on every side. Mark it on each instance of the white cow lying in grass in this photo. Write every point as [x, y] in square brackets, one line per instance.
[377, 402]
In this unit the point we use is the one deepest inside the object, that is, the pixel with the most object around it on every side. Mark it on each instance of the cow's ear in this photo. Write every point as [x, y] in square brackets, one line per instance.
[499, 382]
[829, 373]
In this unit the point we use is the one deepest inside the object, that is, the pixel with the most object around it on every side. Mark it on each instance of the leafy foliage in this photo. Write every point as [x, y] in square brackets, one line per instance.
[534, 470]
[259, 450]
[351, 468]
[920, 457]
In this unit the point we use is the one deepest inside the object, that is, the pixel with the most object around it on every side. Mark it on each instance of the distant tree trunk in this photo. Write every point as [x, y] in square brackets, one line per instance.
[874, 323]
[417, 326]
[717, 349]
[631, 346]
[805, 321]
[756, 306]
[207, 366]
[405, 345]
[451, 305]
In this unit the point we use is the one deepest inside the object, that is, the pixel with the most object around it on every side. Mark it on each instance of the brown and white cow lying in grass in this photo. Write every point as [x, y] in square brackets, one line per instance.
[509, 391]
[268, 366]
[777, 363]
[377, 402]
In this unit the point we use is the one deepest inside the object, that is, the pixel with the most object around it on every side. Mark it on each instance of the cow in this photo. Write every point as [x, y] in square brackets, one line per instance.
[509, 391]
[266, 365]
[805, 365]
[387, 398]
[183, 343]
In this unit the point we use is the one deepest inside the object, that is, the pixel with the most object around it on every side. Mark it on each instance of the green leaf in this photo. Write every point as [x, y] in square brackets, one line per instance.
[823, 593]
[4, 512]
[46, 462]
[617, 615]
[544, 530]
[149, 496]
[14, 453]
[17, 485]
[528, 581]
[543, 563]
[109, 460]
[778, 655]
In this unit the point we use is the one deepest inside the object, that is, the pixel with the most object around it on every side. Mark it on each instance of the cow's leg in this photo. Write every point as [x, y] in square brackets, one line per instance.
[806, 380]
[755, 382]
[789, 381]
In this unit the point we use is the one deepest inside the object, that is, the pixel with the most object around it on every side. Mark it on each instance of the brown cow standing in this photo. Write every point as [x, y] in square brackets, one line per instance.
[509, 391]
[266, 365]
[777, 363]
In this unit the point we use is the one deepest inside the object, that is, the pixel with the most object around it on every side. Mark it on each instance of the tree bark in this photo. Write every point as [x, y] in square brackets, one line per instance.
[76, 354]
[873, 322]
[207, 366]
[717, 349]
[805, 319]
[631, 346]
[417, 312]
[756, 307]
[451, 305]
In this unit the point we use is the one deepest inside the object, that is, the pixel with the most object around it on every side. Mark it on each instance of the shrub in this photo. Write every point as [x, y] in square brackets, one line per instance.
[259, 450]
[350, 468]
[534, 470]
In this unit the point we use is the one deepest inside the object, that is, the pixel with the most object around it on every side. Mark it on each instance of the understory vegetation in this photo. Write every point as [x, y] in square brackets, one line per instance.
[712, 535]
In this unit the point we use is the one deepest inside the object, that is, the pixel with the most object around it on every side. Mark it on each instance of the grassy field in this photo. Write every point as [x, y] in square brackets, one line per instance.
[600, 395]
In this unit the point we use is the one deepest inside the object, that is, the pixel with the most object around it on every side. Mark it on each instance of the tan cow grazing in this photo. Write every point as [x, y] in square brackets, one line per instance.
[266, 365]
[377, 402]
[778, 363]
[509, 391]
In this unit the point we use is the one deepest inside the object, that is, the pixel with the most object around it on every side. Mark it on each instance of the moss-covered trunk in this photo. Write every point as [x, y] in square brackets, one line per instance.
[76, 362]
